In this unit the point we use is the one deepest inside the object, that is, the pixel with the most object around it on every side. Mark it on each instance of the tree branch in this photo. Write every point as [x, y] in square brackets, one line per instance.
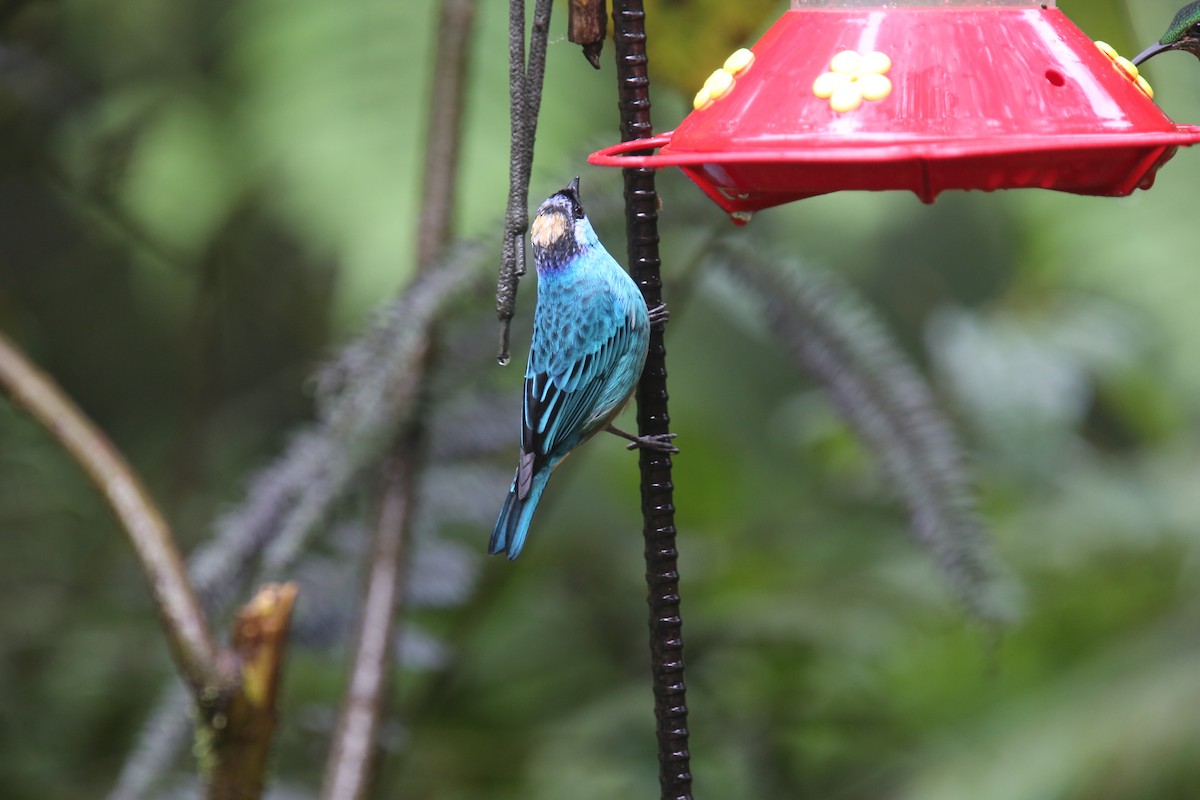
[242, 730]
[183, 619]
[348, 771]
[444, 133]
[351, 757]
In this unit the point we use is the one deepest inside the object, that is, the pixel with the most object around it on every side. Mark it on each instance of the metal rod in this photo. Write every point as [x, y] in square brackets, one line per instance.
[658, 508]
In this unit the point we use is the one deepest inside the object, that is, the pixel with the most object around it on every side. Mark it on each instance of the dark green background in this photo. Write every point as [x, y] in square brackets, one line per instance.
[199, 200]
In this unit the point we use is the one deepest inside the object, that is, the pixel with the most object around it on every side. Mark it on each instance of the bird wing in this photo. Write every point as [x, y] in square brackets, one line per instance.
[567, 399]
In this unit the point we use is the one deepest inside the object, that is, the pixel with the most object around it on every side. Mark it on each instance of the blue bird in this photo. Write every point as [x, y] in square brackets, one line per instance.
[591, 331]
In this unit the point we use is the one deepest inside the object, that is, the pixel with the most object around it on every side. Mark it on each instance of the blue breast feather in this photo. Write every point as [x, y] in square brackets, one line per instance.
[589, 345]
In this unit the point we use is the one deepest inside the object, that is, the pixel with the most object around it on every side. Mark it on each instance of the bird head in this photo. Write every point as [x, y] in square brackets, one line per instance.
[560, 230]
[1182, 34]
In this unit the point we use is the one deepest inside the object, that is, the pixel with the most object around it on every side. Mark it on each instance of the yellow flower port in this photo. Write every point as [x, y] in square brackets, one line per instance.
[721, 82]
[852, 78]
[1126, 67]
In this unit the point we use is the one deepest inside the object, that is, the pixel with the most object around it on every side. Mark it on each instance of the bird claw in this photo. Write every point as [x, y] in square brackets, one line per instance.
[659, 442]
[659, 314]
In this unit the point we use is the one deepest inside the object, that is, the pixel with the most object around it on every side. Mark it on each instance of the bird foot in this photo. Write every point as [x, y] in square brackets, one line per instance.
[659, 314]
[659, 442]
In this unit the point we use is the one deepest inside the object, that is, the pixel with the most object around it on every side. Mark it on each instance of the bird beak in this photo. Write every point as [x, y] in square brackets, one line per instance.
[573, 188]
[1151, 51]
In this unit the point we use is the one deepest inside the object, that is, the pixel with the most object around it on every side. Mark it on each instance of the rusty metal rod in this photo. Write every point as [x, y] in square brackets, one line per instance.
[658, 508]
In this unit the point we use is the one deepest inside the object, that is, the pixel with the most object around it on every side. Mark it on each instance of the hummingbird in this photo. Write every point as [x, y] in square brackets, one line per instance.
[591, 331]
[1182, 34]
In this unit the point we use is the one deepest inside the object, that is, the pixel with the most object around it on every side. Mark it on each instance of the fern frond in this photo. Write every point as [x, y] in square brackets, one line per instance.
[831, 334]
[364, 394]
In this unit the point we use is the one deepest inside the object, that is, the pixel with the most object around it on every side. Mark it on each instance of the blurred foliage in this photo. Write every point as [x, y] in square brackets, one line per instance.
[691, 38]
[200, 202]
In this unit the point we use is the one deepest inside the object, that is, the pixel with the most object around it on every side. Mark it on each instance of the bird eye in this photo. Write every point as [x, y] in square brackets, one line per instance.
[577, 210]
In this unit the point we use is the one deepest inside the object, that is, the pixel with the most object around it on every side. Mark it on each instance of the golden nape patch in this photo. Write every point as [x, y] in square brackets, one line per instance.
[549, 228]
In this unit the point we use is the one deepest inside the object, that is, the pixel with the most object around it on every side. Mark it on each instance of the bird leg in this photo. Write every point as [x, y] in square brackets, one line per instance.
[659, 314]
[656, 441]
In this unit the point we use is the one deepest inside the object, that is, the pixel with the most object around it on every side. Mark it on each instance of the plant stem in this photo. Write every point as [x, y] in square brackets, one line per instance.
[658, 509]
[347, 776]
[242, 740]
[444, 132]
[355, 742]
[183, 619]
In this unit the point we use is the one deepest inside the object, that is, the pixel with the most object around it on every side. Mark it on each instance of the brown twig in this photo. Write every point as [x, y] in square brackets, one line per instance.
[241, 730]
[184, 622]
[444, 132]
[347, 776]
[348, 770]
[234, 691]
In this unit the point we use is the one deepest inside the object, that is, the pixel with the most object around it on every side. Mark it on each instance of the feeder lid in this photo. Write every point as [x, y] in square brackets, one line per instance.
[849, 94]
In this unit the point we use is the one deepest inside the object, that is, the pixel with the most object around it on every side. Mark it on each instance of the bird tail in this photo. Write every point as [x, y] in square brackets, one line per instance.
[513, 524]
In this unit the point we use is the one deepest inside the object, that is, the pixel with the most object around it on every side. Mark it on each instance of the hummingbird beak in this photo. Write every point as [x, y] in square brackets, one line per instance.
[1151, 51]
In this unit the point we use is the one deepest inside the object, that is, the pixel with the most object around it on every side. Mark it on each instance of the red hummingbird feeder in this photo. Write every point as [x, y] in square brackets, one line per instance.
[853, 94]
